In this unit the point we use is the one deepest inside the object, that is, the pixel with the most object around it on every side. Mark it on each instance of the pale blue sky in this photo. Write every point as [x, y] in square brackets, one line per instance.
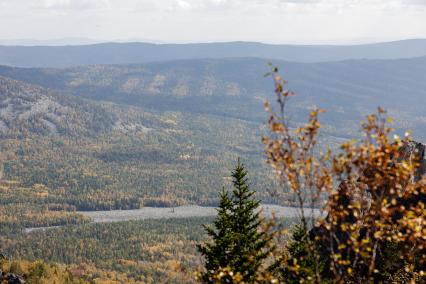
[274, 21]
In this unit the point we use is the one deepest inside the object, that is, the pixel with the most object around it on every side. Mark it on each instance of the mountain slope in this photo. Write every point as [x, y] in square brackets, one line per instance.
[26, 108]
[67, 152]
[236, 87]
[178, 126]
[130, 53]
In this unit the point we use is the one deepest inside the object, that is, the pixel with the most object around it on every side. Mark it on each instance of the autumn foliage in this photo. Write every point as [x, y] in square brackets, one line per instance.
[373, 227]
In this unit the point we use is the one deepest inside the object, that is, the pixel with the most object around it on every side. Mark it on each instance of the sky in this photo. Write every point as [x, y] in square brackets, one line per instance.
[183, 21]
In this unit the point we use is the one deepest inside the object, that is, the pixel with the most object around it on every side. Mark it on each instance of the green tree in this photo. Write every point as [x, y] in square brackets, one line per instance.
[301, 263]
[238, 246]
[217, 253]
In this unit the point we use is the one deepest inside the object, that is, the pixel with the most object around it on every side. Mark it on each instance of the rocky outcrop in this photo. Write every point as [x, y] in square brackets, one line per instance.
[410, 152]
[11, 278]
[26, 108]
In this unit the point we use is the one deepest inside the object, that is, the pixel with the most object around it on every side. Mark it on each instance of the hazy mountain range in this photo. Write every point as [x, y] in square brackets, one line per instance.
[131, 53]
[173, 128]
[67, 41]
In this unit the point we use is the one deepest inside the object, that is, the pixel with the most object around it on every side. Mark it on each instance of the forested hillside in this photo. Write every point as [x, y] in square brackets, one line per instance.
[236, 88]
[111, 137]
[93, 156]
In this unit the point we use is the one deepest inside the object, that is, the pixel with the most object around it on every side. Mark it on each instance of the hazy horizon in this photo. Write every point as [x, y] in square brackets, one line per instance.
[89, 41]
[190, 21]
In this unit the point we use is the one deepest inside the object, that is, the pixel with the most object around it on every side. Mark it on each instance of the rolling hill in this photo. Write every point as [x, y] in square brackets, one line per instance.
[236, 88]
[62, 150]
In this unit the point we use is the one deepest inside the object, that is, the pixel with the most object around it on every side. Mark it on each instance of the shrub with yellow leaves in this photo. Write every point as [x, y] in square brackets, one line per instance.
[374, 227]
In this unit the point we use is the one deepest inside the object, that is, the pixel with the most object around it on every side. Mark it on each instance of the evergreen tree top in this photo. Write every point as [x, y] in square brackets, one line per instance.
[237, 241]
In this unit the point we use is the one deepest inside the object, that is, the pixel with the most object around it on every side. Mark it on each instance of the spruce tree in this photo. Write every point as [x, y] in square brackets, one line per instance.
[301, 260]
[237, 244]
[217, 252]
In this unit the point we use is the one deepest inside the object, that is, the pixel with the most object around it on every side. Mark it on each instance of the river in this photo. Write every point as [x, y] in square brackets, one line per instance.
[177, 212]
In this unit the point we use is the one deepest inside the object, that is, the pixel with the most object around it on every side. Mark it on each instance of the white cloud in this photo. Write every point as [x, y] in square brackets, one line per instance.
[414, 2]
[304, 21]
[72, 4]
[183, 4]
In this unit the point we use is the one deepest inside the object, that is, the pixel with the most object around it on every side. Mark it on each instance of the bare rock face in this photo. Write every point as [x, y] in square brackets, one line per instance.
[26, 108]
[22, 103]
[410, 152]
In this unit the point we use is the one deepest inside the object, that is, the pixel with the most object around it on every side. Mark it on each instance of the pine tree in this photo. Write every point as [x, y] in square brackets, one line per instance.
[238, 244]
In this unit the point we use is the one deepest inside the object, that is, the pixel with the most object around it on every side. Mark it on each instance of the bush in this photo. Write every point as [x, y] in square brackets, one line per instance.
[375, 225]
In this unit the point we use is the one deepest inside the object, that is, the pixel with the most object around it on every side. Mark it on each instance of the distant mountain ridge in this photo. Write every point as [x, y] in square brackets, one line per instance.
[133, 53]
[236, 88]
